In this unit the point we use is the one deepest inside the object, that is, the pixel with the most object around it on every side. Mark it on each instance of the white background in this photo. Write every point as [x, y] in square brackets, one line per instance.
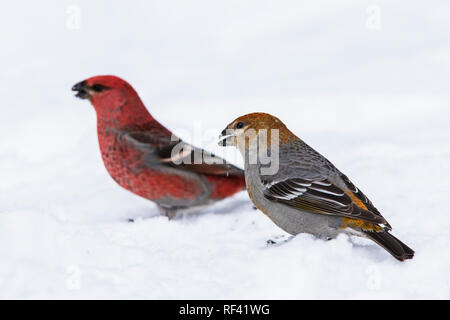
[370, 94]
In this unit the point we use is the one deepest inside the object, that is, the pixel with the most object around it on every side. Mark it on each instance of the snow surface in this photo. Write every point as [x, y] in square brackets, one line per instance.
[375, 102]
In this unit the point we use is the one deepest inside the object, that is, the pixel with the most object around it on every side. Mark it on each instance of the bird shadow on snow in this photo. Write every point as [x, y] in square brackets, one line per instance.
[192, 214]
[370, 250]
[230, 207]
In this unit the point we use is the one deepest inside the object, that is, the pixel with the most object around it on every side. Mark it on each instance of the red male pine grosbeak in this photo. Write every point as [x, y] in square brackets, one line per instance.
[139, 153]
[307, 193]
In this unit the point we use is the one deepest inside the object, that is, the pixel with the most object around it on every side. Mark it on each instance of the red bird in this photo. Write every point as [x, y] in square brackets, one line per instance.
[145, 158]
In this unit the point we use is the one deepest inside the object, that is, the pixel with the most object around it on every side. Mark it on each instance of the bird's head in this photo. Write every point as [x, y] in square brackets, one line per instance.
[101, 88]
[112, 97]
[238, 132]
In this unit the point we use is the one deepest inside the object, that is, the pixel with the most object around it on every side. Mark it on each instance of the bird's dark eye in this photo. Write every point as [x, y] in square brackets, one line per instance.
[98, 87]
[239, 125]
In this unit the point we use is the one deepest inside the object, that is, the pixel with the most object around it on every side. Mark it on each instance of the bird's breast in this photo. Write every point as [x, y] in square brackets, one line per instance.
[122, 161]
[126, 164]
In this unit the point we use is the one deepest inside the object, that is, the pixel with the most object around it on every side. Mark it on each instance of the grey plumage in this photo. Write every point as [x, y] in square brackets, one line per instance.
[308, 194]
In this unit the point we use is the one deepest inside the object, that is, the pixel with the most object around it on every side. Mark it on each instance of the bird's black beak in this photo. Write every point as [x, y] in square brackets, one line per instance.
[225, 139]
[81, 87]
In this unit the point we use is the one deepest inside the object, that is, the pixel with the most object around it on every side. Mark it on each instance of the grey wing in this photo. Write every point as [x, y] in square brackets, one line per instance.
[319, 196]
[167, 151]
[308, 181]
[300, 160]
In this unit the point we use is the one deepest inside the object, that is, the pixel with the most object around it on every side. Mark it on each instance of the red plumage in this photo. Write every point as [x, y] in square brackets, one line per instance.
[138, 152]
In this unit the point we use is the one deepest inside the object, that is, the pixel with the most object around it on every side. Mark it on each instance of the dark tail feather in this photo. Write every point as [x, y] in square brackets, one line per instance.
[398, 249]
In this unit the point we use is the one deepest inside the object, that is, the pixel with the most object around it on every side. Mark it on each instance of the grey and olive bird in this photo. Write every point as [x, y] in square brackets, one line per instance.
[307, 193]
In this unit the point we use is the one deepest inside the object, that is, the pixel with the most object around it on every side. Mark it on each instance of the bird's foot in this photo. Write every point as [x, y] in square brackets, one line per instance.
[170, 213]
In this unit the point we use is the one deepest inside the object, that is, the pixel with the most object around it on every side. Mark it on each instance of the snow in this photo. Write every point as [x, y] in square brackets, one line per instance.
[375, 102]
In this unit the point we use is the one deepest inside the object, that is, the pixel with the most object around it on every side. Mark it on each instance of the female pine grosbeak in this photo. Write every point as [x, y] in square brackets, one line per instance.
[145, 158]
[307, 193]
